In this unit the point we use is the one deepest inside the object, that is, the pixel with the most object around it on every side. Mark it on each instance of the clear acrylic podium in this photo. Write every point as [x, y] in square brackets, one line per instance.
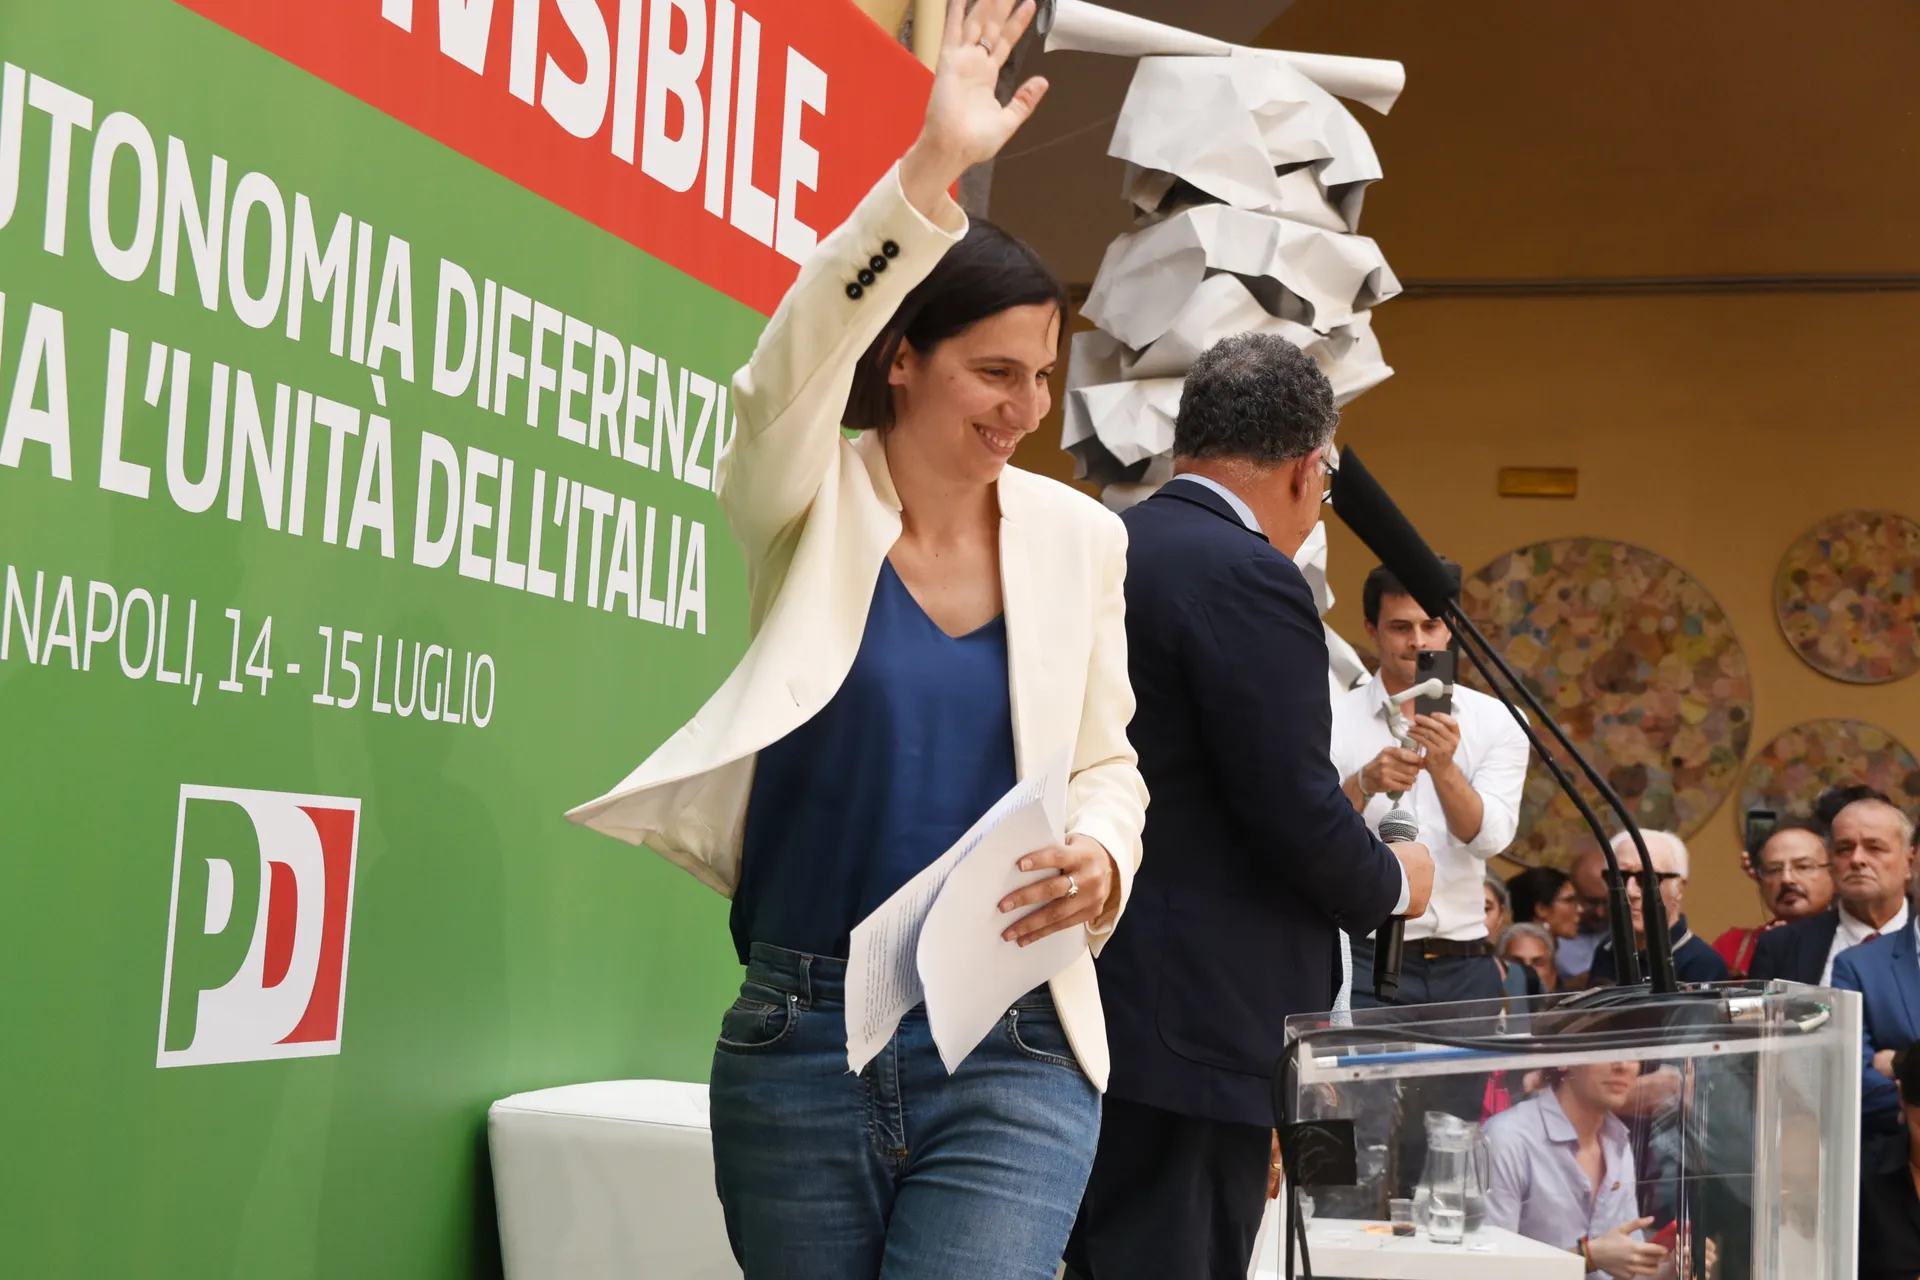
[1738, 1106]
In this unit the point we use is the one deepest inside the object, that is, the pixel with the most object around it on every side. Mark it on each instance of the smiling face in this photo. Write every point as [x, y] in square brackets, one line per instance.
[962, 408]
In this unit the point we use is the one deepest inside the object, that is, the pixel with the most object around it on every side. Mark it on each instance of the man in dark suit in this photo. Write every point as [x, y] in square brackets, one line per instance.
[1885, 970]
[1693, 959]
[1872, 861]
[1253, 856]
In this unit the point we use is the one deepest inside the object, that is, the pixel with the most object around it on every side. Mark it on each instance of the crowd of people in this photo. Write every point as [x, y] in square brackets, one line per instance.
[1836, 889]
[931, 627]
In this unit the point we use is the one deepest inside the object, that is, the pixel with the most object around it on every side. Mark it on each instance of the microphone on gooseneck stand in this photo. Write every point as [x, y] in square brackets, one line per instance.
[1397, 827]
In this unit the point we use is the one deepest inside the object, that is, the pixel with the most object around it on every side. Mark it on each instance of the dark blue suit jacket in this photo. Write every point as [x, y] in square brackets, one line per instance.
[1796, 952]
[1693, 960]
[1253, 856]
[1886, 973]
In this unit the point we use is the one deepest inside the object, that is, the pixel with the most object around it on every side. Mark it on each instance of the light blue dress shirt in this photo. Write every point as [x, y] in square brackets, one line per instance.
[1537, 1187]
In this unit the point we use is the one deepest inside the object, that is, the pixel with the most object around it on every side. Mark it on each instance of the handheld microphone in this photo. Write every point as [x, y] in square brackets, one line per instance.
[1398, 827]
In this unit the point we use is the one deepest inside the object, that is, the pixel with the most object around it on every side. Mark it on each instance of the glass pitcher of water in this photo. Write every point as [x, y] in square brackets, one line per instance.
[1453, 1183]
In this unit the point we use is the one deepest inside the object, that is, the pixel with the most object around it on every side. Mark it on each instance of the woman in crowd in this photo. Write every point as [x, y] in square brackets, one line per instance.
[1546, 897]
[1495, 902]
[1516, 980]
[929, 626]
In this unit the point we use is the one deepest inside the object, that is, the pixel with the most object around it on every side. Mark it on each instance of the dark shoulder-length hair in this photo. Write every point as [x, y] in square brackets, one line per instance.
[1534, 888]
[988, 272]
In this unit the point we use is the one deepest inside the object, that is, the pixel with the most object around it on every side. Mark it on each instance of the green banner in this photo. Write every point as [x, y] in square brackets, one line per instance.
[355, 521]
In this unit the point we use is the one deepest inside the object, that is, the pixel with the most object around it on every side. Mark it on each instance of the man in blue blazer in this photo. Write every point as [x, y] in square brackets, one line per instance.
[1253, 856]
[1886, 973]
[1872, 860]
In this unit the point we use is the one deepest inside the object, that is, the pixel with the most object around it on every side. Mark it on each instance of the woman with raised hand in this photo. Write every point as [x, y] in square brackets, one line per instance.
[929, 626]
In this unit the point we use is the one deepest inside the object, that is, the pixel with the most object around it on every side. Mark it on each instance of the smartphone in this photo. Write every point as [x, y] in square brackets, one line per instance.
[1433, 663]
[1668, 1235]
[1760, 825]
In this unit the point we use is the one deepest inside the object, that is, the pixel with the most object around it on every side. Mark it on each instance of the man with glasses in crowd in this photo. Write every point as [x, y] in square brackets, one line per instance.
[1872, 860]
[1791, 867]
[1693, 960]
[1574, 956]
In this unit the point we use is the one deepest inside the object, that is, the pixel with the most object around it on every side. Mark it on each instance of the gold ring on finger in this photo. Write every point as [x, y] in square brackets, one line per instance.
[1073, 886]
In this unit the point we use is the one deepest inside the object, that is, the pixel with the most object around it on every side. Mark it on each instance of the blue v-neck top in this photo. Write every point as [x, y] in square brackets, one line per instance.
[912, 749]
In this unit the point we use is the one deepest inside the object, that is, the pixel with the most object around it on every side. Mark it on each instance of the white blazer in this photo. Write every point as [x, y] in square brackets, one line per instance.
[815, 515]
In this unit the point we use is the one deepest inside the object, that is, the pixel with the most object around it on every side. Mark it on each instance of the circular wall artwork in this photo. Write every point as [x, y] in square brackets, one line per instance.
[1641, 667]
[1846, 596]
[1790, 772]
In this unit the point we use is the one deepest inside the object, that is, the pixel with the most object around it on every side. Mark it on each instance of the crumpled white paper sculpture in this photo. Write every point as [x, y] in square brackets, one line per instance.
[1248, 175]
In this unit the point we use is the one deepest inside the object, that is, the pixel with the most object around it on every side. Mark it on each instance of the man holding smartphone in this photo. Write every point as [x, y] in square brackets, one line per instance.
[1458, 763]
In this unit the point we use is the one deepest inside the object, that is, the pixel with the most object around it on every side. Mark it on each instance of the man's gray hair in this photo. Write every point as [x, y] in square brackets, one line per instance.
[1254, 396]
[1905, 819]
[1538, 933]
[1656, 840]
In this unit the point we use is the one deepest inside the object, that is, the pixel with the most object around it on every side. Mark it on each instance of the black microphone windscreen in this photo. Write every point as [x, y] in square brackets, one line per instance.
[1366, 509]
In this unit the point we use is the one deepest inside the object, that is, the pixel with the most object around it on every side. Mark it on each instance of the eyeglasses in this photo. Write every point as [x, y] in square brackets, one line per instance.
[1330, 465]
[1773, 875]
[1633, 877]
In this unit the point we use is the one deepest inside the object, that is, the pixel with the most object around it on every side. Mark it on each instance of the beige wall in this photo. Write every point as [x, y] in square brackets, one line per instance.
[1636, 139]
[1710, 430]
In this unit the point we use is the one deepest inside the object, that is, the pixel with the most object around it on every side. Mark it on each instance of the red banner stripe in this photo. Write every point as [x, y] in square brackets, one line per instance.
[875, 94]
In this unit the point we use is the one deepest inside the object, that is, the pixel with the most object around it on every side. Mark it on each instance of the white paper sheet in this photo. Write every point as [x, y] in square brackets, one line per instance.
[1247, 130]
[883, 970]
[969, 972]
[1220, 307]
[1133, 420]
[1092, 28]
[1301, 273]
[882, 980]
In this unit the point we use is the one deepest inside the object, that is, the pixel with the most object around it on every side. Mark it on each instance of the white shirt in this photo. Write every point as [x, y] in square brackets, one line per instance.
[1493, 756]
[1853, 931]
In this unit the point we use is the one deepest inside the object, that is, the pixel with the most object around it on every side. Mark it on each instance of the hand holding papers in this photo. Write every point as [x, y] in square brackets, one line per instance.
[939, 937]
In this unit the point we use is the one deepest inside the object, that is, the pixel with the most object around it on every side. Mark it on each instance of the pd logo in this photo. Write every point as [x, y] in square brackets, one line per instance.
[257, 940]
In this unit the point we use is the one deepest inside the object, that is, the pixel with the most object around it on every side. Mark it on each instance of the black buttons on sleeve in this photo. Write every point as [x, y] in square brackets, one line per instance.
[864, 279]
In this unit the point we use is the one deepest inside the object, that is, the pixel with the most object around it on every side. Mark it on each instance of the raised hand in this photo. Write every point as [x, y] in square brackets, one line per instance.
[965, 122]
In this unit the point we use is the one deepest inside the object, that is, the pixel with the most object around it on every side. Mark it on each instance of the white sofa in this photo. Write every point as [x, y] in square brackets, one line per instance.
[608, 1181]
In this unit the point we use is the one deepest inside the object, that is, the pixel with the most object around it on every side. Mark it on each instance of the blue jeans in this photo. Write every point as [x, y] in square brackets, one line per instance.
[902, 1171]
